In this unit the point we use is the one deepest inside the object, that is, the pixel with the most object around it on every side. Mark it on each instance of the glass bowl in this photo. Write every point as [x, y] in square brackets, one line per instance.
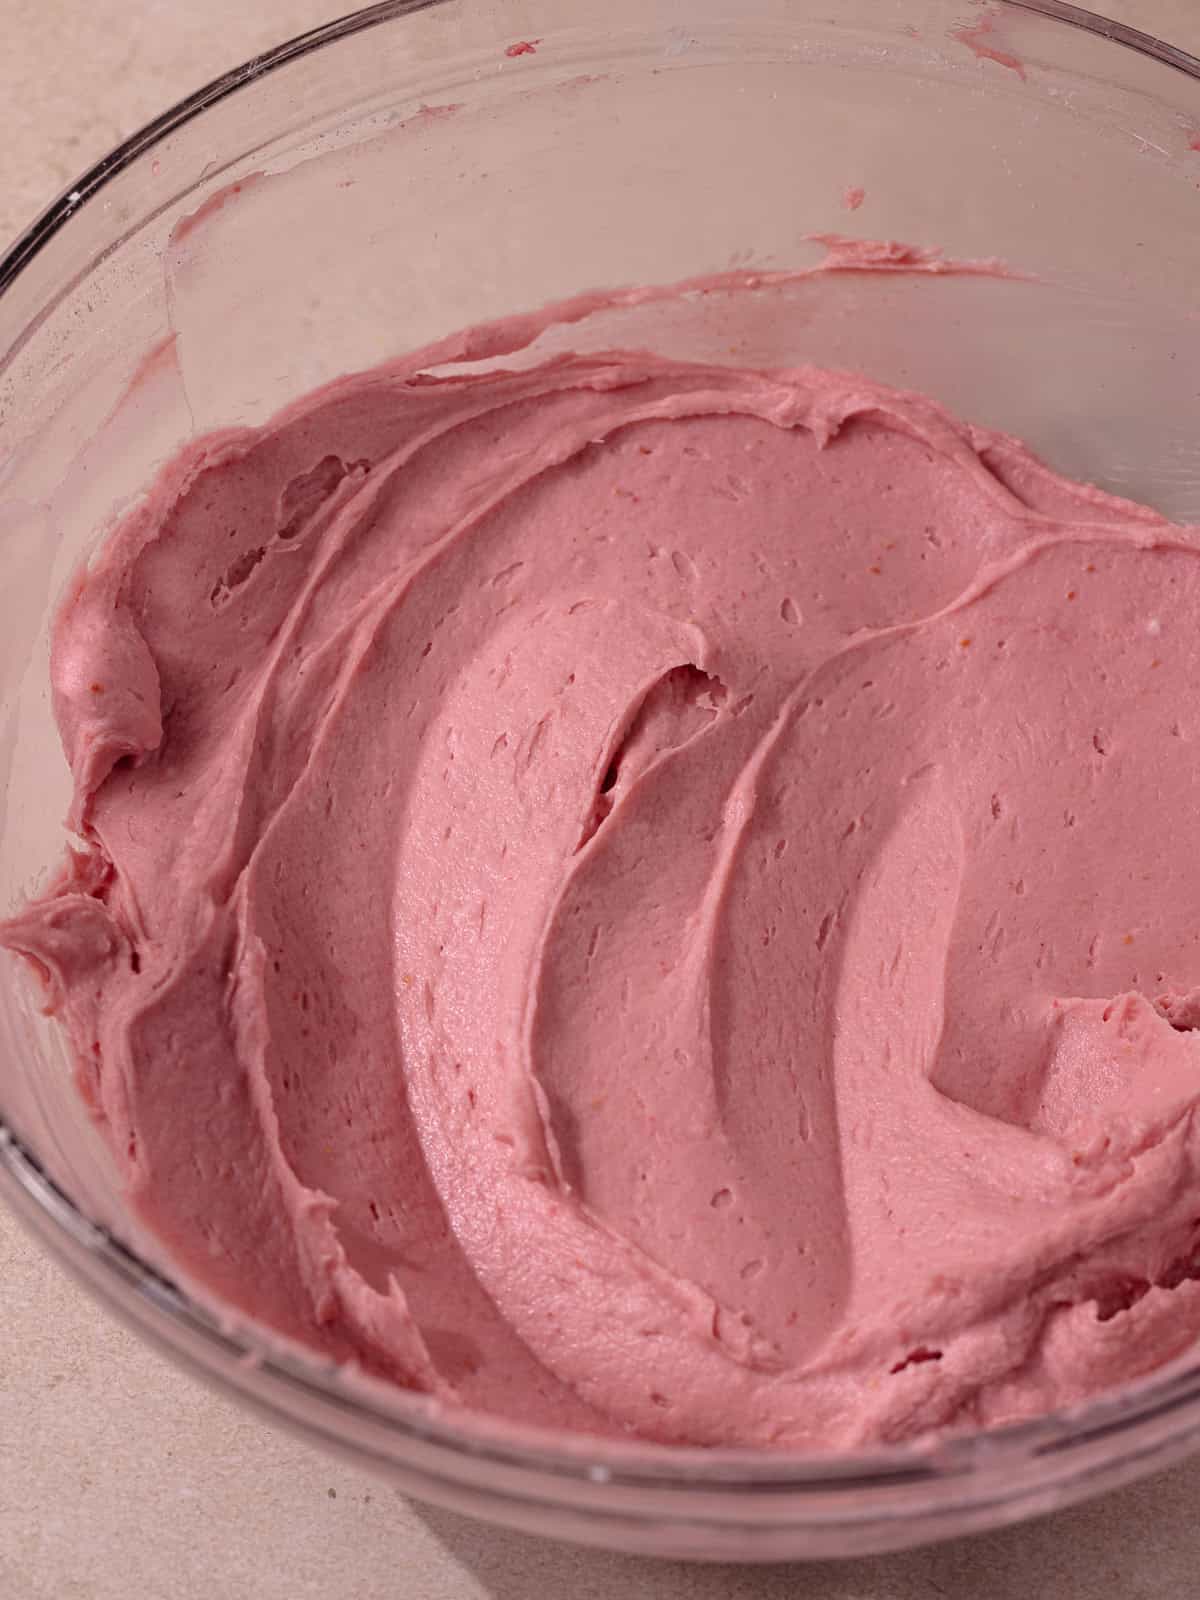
[418, 167]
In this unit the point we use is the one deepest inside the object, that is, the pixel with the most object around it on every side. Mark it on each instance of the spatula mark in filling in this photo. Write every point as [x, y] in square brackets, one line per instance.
[678, 706]
[298, 504]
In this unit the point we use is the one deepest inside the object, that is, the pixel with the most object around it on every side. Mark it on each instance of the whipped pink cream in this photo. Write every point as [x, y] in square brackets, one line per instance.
[647, 897]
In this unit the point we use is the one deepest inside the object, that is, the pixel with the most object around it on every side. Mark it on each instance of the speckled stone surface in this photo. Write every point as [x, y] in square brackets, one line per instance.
[119, 1477]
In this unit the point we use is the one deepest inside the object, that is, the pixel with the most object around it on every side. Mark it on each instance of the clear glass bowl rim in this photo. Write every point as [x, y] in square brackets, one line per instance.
[1158, 1419]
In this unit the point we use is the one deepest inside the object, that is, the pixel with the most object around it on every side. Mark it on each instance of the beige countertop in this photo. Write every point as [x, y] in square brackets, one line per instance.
[121, 1477]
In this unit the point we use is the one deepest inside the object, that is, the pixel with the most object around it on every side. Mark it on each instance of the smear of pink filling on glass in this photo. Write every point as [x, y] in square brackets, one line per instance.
[979, 39]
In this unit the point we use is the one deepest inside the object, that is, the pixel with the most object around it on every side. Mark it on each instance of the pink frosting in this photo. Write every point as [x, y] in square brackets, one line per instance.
[981, 40]
[640, 896]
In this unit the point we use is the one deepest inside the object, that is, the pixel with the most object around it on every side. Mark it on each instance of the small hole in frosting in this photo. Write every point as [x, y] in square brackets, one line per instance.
[917, 1357]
